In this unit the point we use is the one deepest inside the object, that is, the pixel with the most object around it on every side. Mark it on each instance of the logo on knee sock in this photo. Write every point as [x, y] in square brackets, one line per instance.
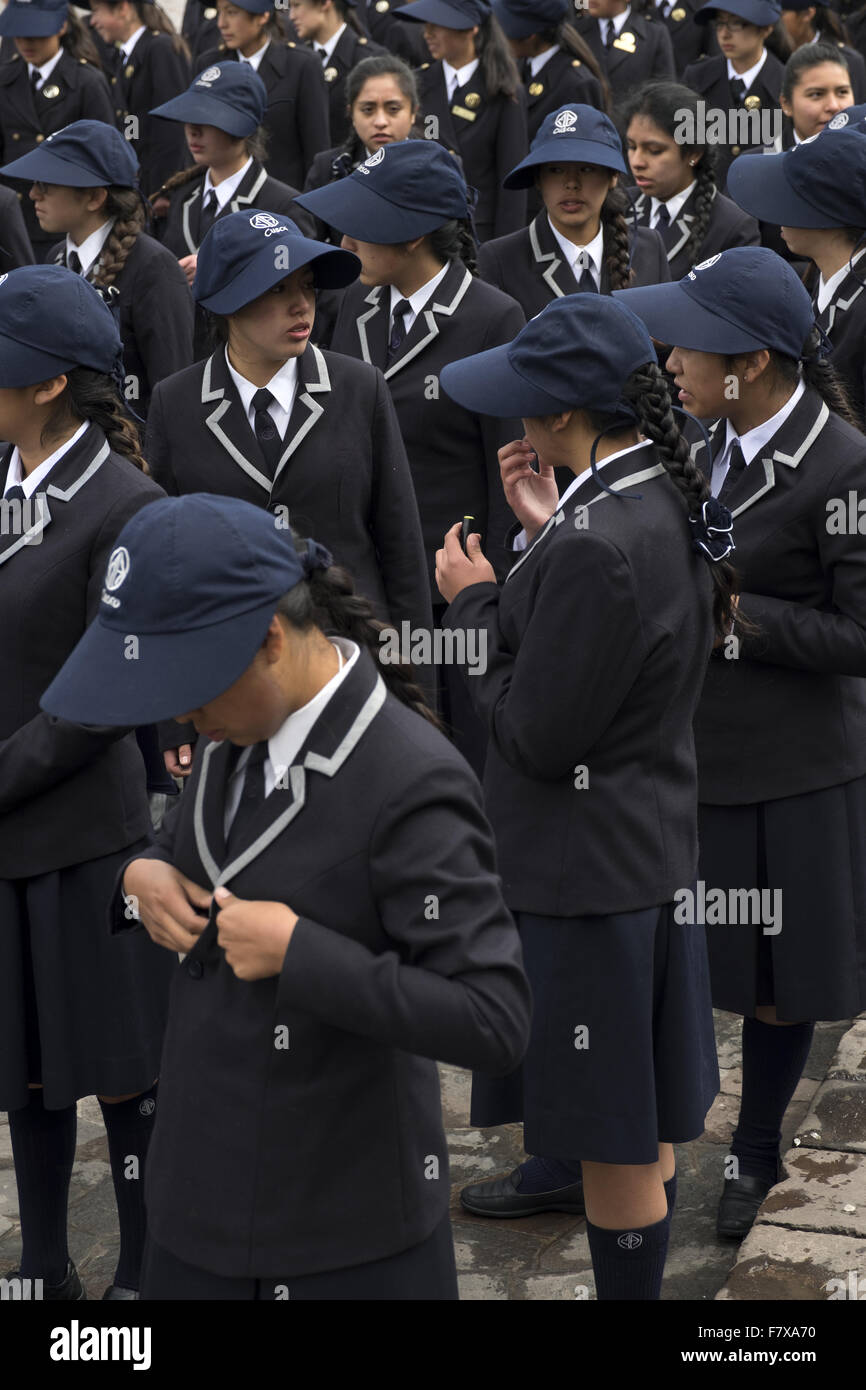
[629, 1240]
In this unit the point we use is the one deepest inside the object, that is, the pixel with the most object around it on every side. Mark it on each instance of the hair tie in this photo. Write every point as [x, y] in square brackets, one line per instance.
[315, 557]
[713, 530]
[823, 349]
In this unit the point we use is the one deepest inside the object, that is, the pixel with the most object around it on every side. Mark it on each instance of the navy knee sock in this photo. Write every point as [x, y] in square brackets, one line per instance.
[128, 1124]
[773, 1060]
[671, 1192]
[43, 1150]
[629, 1264]
[548, 1174]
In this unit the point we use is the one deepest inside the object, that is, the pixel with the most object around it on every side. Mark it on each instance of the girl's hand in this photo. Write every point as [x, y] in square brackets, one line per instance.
[188, 265]
[178, 761]
[173, 908]
[254, 935]
[531, 496]
[456, 571]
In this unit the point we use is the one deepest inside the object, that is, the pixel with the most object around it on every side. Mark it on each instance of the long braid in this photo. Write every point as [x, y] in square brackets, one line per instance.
[647, 391]
[821, 375]
[125, 206]
[616, 239]
[704, 197]
[91, 395]
[183, 176]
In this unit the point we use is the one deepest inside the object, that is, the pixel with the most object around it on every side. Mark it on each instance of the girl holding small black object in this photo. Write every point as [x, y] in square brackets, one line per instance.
[631, 563]
[783, 453]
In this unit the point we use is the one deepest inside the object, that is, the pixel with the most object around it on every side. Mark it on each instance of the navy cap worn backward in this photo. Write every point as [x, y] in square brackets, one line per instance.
[230, 96]
[33, 19]
[195, 580]
[520, 18]
[404, 190]
[576, 353]
[52, 320]
[449, 14]
[820, 183]
[86, 154]
[247, 253]
[575, 134]
[741, 300]
[757, 12]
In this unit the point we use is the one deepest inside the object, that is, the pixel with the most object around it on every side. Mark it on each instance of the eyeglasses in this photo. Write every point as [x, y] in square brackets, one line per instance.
[736, 26]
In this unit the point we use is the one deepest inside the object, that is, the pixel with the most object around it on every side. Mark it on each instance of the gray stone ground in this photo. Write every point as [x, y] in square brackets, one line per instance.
[803, 1239]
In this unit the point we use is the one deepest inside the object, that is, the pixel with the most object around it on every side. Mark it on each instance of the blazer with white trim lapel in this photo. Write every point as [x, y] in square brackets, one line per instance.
[597, 648]
[844, 322]
[257, 1146]
[255, 190]
[728, 226]
[67, 794]
[788, 714]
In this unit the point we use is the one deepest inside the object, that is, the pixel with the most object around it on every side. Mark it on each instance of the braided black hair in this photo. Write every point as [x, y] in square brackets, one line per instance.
[818, 373]
[616, 238]
[91, 395]
[454, 241]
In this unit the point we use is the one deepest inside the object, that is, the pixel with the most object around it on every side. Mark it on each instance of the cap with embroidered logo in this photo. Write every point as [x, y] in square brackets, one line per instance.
[86, 154]
[51, 321]
[230, 96]
[574, 134]
[520, 18]
[247, 253]
[33, 19]
[449, 14]
[820, 183]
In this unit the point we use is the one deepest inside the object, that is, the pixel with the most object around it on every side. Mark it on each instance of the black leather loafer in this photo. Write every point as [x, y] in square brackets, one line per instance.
[500, 1197]
[70, 1290]
[741, 1198]
[115, 1292]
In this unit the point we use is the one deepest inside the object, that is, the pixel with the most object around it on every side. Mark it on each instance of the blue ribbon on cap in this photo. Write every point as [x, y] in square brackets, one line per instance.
[315, 557]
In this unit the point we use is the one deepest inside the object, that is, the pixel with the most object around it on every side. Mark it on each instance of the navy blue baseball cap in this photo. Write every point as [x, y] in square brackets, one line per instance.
[520, 18]
[820, 183]
[230, 96]
[577, 352]
[52, 320]
[757, 12]
[86, 154]
[404, 190]
[449, 14]
[741, 300]
[575, 134]
[33, 19]
[247, 253]
[196, 580]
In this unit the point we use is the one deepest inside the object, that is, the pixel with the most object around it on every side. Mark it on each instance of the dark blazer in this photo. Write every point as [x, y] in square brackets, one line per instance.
[689, 41]
[154, 74]
[490, 136]
[343, 474]
[199, 27]
[856, 65]
[405, 37]
[709, 78]
[155, 314]
[531, 265]
[597, 648]
[256, 190]
[382, 818]
[728, 226]
[626, 65]
[82, 93]
[67, 794]
[563, 79]
[15, 248]
[789, 714]
[350, 49]
[452, 452]
[296, 119]
[844, 322]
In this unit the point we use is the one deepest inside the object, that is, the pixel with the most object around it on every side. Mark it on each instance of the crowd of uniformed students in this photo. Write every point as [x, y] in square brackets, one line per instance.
[356, 271]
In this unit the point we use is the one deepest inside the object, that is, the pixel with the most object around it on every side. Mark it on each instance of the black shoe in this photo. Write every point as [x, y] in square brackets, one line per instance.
[70, 1290]
[116, 1291]
[741, 1198]
[501, 1198]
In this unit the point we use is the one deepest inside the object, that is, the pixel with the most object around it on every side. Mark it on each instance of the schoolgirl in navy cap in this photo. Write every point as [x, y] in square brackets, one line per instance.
[600, 638]
[781, 726]
[84, 186]
[418, 304]
[630, 44]
[318, 981]
[584, 238]
[332, 31]
[679, 194]
[818, 23]
[272, 419]
[472, 97]
[296, 116]
[82, 1013]
[51, 78]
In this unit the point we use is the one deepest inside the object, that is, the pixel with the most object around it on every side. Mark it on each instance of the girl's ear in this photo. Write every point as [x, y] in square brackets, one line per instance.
[560, 422]
[49, 390]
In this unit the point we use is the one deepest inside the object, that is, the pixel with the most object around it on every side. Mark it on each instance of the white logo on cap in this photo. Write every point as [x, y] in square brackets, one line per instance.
[838, 121]
[705, 265]
[209, 76]
[4, 277]
[117, 568]
[566, 120]
[262, 220]
[375, 158]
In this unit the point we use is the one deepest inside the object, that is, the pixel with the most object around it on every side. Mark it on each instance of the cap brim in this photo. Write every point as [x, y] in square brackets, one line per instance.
[172, 674]
[436, 12]
[21, 365]
[758, 184]
[334, 269]
[488, 384]
[516, 26]
[206, 110]
[674, 318]
[31, 23]
[43, 166]
[562, 150]
[357, 211]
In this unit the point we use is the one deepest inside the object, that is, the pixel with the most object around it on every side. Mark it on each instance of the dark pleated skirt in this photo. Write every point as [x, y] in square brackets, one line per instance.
[81, 1011]
[811, 851]
[622, 1054]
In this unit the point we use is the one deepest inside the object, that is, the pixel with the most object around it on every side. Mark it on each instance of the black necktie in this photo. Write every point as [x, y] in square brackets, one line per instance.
[736, 469]
[267, 433]
[73, 262]
[738, 89]
[663, 219]
[207, 215]
[35, 80]
[323, 54]
[610, 35]
[15, 494]
[398, 327]
[526, 71]
[586, 281]
[252, 798]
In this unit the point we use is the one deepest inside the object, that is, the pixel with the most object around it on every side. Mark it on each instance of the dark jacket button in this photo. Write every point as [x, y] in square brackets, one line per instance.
[195, 969]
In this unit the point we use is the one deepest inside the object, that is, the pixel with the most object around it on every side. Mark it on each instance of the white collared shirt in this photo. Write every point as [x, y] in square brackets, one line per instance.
[749, 76]
[674, 205]
[255, 58]
[283, 387]
[38, 475]
[591, 255]
[537, 63]
[520, 541]
[126, 48]
[91, 247]
[753, 441]
[458, 77]
[46, 69]
[329, 45]
[290, 737]
[419, 298]
[828, 288]
[618, 21]
[226, 188]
